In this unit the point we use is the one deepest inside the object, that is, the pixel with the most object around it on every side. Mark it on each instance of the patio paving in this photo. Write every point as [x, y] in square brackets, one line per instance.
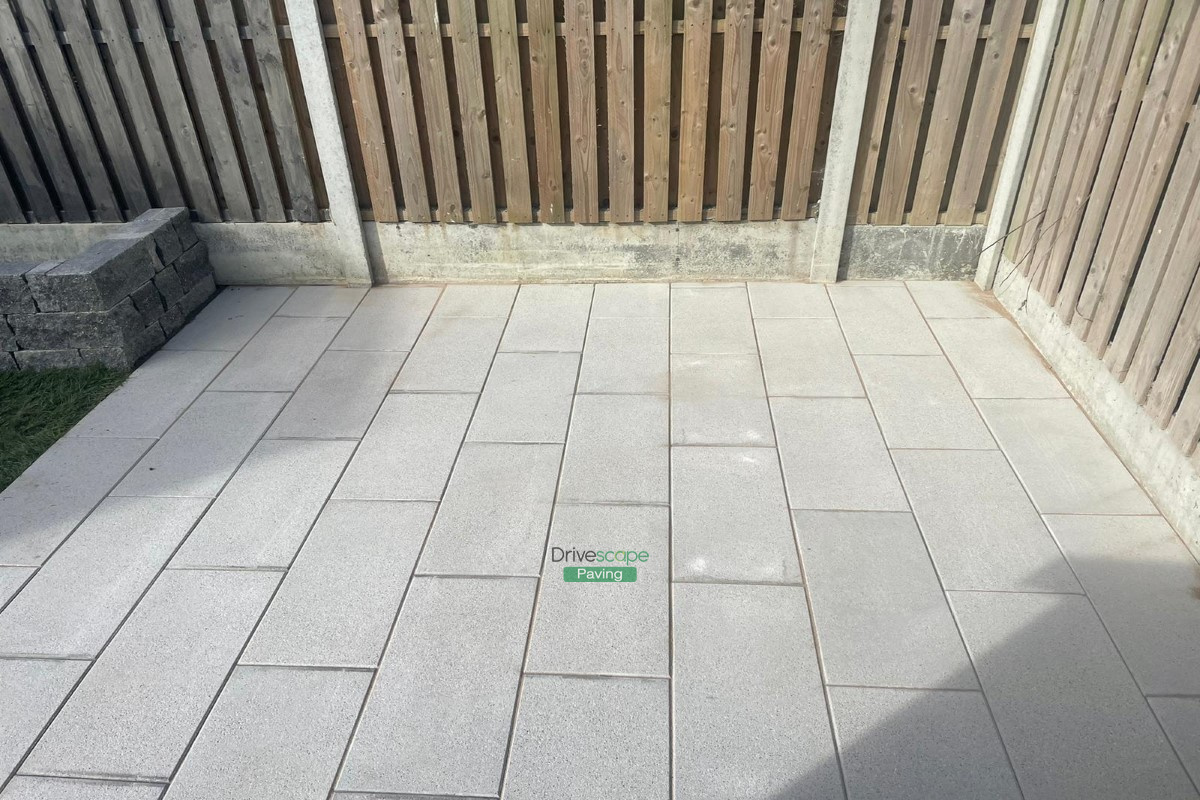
[317, 547]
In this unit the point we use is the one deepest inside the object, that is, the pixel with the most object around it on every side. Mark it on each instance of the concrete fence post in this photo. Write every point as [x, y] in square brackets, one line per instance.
[309, 42]
[854, 71]
[1016, 151]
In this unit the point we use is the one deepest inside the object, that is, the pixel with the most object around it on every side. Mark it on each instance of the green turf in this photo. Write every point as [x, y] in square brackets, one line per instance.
[36, 408]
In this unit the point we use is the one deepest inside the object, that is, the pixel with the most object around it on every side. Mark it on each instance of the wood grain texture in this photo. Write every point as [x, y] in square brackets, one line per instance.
[506, 61]
[769, 105]
[806, 108]
[581, 104]
[26, 174]
[469, 79]
[621, 134]
[735, 108]
[439, 127]
[875, 108]
[693, 117]
[657, 93]
[393, 68]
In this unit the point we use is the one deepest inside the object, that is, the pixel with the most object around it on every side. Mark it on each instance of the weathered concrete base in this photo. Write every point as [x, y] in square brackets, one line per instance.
[708, 251]
[934, 252]
[1170, 477]
[293, 252]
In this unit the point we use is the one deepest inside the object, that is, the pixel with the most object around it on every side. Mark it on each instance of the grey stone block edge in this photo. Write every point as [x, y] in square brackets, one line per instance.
[911, 252]
[113, 304]
[1171, 478]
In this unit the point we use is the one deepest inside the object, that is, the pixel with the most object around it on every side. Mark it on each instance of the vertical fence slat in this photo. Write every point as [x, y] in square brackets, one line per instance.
[1170, 239]
[983, 121]
[1106, 302]
[1178, 361]
[735, 108]
[352, 35]
[693, 117]
[74, 123]
[468, 74]
[402, 114]
[1185, 427]
[20, 156]
[768, 115]
[502, 16]
[134, 87]
[10, 207]
[543, 72]
[103, 105]
[883, 65]
[806, 107]
[1155, 64]
[440, 128]
[236, 79]
[211, 112]
[284, 121]
[1087, 160]
[909, 108]
[656, 150]
[41, 122]
[619, 59]
[581, 103]
[947, 111]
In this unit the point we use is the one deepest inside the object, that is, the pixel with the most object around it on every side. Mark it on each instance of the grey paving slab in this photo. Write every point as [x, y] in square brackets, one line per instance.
[494, 517]
[881, 320]
[202, 449]
[338, 601]
[1063, 462]
[81, 594]
[527, 398]
[981, 528]
[452, 355]
[806, 358]
[277, 733]
[262, 516]
[729, 516]
[1180, 718]
[135, 712]
[626, 355]
[898, 744]
[154, 395]
[322, 301]
[476, 300]
[438, 717]
[11, 579]
[1142, 581]
[45, 503]
[1072, 719]
[573, 630]
[796, 300]
[618, 449]
[995, 359]
[24, 787]
[711, 319]
[719, 399]
[340, 396]
[631, 300]
[952, 299]
[590, 739]
[548, 317]
[30, 692]
[879, 612]
[750, 718]
[231, 319]
[920, 403]
[834, 457]
[279, 356]
[388, 318]
[409, 449]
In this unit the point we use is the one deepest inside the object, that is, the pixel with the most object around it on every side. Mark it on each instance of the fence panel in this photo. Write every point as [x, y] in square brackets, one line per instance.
[110, 108]
[1106, 212]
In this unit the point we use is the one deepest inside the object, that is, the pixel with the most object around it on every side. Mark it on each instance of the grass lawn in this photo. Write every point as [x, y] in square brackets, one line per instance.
[36, 408]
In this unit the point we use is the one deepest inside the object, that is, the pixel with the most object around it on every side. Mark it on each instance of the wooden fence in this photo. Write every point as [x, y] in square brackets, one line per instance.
[110, 107]
[1108, 211]
[491, 111]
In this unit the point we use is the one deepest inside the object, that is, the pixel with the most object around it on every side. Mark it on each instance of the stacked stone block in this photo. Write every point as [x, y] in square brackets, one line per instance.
[114, 304]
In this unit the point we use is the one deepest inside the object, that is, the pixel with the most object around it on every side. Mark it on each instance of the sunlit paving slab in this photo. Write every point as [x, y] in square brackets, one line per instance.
[642, 541]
